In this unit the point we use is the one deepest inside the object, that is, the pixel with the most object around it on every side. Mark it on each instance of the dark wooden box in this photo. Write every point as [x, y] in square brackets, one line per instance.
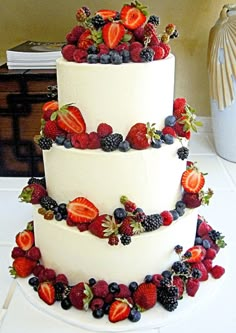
[22, 94]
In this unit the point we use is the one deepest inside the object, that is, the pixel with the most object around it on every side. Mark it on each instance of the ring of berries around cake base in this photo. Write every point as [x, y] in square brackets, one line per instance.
[81, 255]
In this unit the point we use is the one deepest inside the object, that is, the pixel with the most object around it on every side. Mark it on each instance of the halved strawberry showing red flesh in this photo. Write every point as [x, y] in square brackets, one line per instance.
[119, 310]
[112, 33]
[192, 180]
[70, 119]
[82, 210]
[46, 292]
[106, 13]
[25, 239]
[133, 16]
[197, 254]
[50, 105]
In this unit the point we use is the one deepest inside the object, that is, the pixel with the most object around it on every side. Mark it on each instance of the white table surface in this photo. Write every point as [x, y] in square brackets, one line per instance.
[216, 314]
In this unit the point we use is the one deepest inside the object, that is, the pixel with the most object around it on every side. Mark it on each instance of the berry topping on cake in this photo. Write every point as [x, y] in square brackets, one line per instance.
[81, 296]
[100, 289]
[217, 271]
[192, 180]
[192, 286]
[140, 135]
[34, 253]
[46, 292]
[167, 217]
[145, 296]
[201, 267]
[112, 33]
[183, 153]
[25, 240]
[32, 193]
[134, 15]
[103, 226]
[48, 202]
[70, 119]
[107, 14]
[179, 283]
[22, 267]
[111, 142]
[81, 210]
[119, 310]
[104, 130]
[197, 254]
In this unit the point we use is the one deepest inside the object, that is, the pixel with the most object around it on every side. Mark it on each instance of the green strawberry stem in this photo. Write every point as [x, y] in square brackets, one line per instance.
[26, 194]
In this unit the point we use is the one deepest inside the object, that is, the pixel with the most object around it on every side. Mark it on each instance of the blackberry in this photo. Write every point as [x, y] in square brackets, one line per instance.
[45, 143]
[183, 153]
[125, 239]
[97, 21]
[175, 34]
[178, 249]
[147, 54]
[48, 203]
[214, 235]
[87, 11]
[117, 17]
[40, 181]
[155, 20]
[152, 222]
[187, 255]
[59, 296]
[168, 296]
[177, 267]
[111, 142]
[196, 273]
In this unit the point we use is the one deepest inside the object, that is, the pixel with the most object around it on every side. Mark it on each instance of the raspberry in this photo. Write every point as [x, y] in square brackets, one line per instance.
[103, 49]
[135, 45]
[94, 141]
[80, 55]
[169, 130]
[37, 269]
[217, 271]
[100, 289]
[113, 240]
[122, 46]
[96, 303]
[210, 254]
[82, 226]
[71, 39]
[77, 31]
[167, 217]
[50, 129]
[126, 227]
[139, 34]
[80, 140]
[135, 54]
[149, 30]
[159, 52]
[62, 278]
[124, 291]
[179, 103]
[165, 38]
[17, 252]
[103, 130]
[49, 274]
[34, 253]
[68, 52]
[208, 264]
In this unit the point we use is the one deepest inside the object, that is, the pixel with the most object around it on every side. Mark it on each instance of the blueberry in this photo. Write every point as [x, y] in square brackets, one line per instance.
[138, 210]
[116, 59]
[92, 49]
[106, 308]
[168, 139]
[93, 58]
[58, 216]
[198, 241]
[98, 313]
[67, 143]
[124, 146]
[156, 143]
[66, 303]
[120, 214]
[170, 121]
[92, 282]
[33, 281]
[59, 287]
[105, 59]
[114, 287]
[62, 208]
[206, 244]
[134, 315]
[166, 274]
[148, 278]
[133, 286]
[60, 140]
[125, 56]
[175, 214]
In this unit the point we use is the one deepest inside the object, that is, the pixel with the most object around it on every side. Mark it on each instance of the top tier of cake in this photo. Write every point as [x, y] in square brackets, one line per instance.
[119, 95]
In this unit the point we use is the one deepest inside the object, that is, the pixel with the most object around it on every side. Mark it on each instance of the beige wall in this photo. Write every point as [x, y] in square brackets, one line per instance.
[50, 20]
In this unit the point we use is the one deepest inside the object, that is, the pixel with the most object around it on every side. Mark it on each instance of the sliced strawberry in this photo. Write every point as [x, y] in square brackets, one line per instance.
[81, 210]
[50, 105]
[22, 267]
[192, 180]
[112, 33]
[198, 254]
[25, 239]
[70, 119]
[106, 13]
[132, 17]
[119, 310]
[46, 292]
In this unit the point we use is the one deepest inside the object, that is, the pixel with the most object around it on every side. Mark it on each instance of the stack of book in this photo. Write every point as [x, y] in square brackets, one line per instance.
[34, 55]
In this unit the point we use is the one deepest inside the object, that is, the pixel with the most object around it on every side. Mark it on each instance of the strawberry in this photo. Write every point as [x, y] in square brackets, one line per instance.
[70, 119]
[145, 296]
[200, 266]
[25, 240]
[192, 286]
[208, 264]
[22, 267]
[85, 40]
[107, 14]
[119, 310]
[169, 130]
[32, 193]
[191, 200]
[137, 136]
[133, 16]
[203, 229]
[179, 129]
[179, 103]
[81, 210]
[197, 254]
[210, 253]
[46, 292]
[103, 226]
[217, 271]
[179, 283]
[50, 105]
[112, 34]
[81, 296]
[192, 180]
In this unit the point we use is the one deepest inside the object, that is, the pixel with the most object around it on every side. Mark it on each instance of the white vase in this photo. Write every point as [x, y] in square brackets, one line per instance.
[222, 82]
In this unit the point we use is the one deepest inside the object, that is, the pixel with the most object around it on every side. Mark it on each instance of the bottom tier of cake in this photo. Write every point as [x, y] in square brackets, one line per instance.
[81, 255]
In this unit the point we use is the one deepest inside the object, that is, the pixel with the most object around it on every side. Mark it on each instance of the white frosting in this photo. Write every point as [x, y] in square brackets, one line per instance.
[81, 255]
[120, 95]
[150, 178]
